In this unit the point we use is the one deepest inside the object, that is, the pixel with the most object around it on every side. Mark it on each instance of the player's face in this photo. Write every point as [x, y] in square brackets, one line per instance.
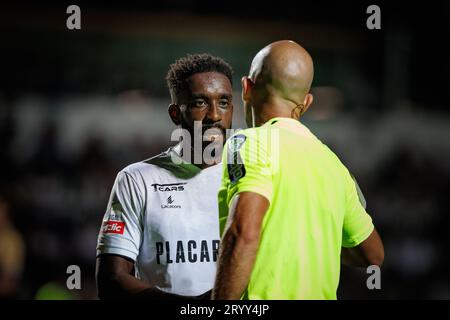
[207, 98]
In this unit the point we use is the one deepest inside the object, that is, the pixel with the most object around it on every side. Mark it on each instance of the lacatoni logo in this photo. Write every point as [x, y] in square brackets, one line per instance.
[170, 204]
[114, 227]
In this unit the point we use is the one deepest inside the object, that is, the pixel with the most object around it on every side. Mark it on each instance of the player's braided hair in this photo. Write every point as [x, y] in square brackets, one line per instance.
[191, 64]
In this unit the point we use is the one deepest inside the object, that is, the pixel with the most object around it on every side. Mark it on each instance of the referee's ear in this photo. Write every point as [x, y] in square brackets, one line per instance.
[175, 113]
[246, 89]
[307, 102]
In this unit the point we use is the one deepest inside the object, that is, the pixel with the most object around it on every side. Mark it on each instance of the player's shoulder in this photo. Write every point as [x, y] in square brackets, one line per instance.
[144, 167]
[248, 133]
[167, 164]
[136, 168]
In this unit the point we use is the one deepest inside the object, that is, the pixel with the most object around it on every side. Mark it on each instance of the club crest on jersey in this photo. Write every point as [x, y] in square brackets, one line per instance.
[235, 165]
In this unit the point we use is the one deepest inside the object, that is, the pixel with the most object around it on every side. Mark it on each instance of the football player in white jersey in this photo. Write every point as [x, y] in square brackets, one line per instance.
[160, 234]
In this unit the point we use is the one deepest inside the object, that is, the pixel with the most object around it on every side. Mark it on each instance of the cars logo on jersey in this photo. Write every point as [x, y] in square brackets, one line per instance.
[157, 187]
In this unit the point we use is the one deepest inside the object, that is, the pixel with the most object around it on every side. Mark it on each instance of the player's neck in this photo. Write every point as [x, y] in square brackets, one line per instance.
[270, 110]
[195, 156]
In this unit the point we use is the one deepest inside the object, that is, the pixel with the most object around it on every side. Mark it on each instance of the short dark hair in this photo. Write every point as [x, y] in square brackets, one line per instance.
[191, 64]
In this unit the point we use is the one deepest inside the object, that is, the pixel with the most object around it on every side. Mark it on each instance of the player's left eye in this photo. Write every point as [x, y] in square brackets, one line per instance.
[224, 103]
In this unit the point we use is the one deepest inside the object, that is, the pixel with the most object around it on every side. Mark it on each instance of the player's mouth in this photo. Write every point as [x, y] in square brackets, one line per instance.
[211, 134]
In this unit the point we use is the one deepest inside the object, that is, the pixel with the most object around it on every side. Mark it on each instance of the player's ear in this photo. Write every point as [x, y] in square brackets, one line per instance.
[246, 88]
[308, 101]
[175, 113]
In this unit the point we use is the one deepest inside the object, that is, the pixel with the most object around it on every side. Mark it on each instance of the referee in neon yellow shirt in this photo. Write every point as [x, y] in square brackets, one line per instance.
[289, 210]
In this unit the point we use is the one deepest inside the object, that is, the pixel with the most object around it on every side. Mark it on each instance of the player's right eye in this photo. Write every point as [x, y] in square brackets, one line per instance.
[200, 104]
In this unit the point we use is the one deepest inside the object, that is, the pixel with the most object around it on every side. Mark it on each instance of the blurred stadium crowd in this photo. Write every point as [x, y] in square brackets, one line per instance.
[75, 108]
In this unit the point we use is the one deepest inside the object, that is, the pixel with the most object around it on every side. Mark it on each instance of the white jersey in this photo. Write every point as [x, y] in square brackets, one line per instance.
[164, 216]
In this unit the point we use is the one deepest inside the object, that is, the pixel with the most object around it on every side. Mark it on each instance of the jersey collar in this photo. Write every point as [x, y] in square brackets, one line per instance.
[289, 122]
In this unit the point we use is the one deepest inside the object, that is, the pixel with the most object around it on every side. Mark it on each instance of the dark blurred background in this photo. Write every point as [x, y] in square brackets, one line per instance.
[77, 106]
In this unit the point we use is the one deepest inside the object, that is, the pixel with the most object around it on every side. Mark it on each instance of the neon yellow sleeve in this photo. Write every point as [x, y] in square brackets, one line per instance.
[246, 167]
[357, 223]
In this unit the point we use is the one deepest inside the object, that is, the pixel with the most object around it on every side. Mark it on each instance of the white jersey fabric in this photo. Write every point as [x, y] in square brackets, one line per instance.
[164, 216]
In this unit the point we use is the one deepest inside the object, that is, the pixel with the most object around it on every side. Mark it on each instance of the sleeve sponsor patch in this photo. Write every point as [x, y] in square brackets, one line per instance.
[114, 222]
[235, 165]
[111, 226]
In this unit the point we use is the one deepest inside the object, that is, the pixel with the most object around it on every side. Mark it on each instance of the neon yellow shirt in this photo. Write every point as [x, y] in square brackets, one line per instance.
[315, 209]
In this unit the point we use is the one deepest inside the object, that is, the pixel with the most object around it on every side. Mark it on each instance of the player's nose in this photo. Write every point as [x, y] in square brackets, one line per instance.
[214, 114]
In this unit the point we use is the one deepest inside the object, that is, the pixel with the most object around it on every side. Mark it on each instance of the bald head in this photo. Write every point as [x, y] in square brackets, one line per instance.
[282, 69]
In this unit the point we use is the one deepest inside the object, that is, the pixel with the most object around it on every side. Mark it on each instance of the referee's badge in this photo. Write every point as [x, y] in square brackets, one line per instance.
[235, 165]
[236, 142]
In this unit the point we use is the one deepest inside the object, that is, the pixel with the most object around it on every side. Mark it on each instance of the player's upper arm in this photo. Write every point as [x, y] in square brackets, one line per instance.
[359, 237]
[122, 225]
[357, 224]
[248, 165]
[246, 168]
[247, 211]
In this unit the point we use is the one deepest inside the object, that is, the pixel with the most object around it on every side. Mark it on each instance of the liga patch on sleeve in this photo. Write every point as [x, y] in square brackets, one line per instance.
[114, 223]
[235, 165]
